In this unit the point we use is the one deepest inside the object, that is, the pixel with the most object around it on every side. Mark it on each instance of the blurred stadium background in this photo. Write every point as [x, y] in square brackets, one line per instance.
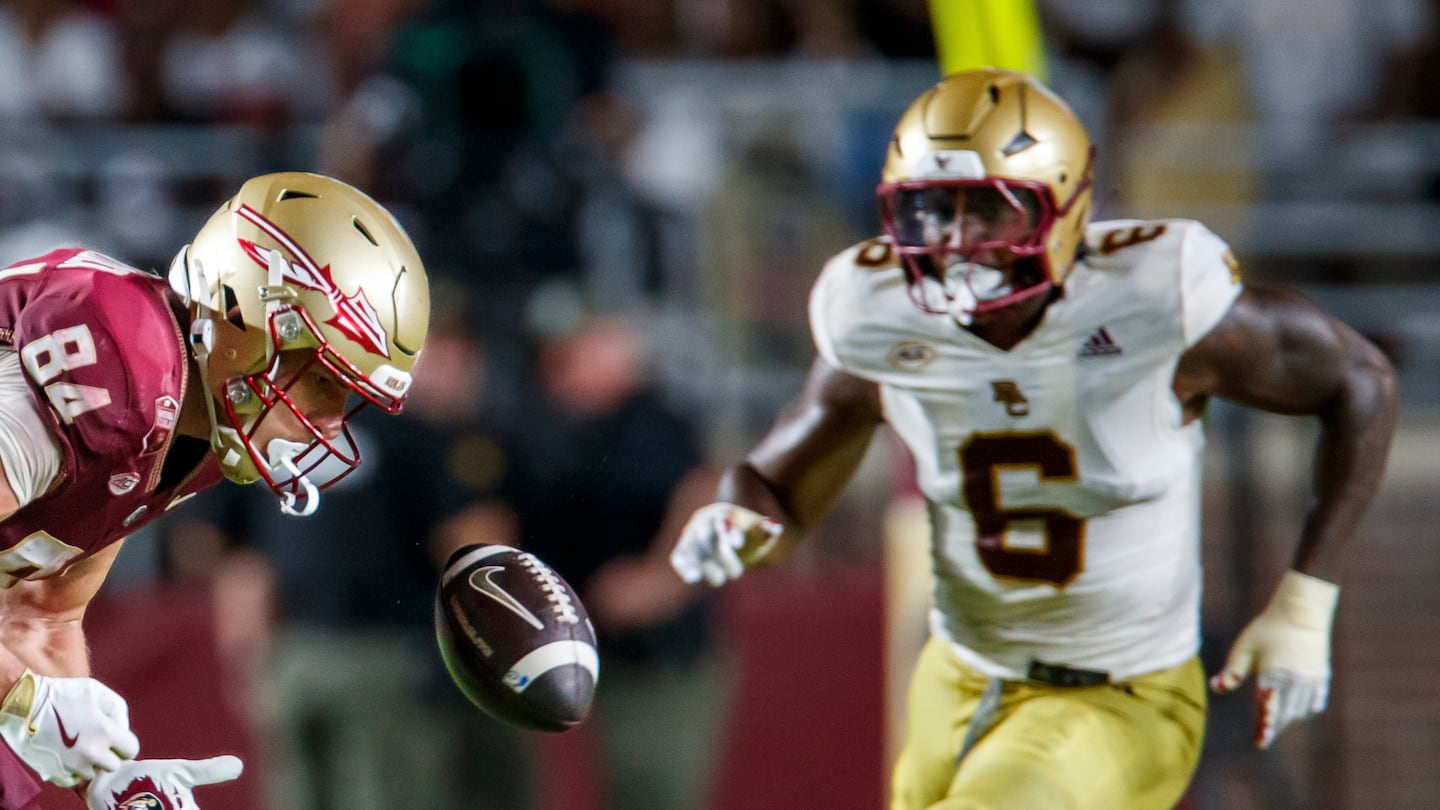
[692, 163]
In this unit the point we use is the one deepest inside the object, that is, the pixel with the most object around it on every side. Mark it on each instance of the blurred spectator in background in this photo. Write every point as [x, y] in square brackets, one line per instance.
[1091, 43]
[333, 616]
[619, 231]
[62, 63]
[371, 111]
[603, 470]
[495, 81]
[770, 219]
[899, 29]
[826, 30]
[229, 62]
[1312, 64]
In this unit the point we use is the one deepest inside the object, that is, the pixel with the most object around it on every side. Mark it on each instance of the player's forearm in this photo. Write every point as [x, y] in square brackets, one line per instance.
[1356, 432]
[743, 485]
[45, 646]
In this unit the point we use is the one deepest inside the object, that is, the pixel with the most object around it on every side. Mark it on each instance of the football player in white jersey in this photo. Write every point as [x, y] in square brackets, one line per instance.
[1049, 376]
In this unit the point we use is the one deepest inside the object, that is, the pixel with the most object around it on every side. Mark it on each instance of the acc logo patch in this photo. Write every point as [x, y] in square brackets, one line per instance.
[121, 483]
[910, 355]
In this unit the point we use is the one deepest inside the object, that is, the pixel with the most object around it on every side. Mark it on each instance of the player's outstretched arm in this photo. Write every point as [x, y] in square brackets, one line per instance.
[66, 726]
[1278, 352]
[788, 483]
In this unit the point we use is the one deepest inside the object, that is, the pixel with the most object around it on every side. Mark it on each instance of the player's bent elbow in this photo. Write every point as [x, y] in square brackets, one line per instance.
[1372, 384]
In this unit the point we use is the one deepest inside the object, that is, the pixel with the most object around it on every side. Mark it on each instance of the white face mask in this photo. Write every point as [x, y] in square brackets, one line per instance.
[968, 284]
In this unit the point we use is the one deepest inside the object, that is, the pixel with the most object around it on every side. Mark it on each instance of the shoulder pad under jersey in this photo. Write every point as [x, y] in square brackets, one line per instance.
[99, 342]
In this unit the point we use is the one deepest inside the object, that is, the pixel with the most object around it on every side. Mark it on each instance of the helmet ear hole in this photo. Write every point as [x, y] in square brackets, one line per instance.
[232, 307]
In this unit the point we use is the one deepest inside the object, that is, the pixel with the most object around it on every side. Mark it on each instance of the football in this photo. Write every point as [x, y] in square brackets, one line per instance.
[515, 638]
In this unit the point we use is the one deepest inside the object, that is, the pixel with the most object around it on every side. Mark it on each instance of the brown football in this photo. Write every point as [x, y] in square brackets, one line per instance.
[516, 638]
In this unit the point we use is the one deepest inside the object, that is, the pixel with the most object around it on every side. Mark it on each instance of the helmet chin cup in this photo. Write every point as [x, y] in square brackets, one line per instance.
[962, 307]
[984, 283]
[281, 454]
[960, 297]
[969, 286]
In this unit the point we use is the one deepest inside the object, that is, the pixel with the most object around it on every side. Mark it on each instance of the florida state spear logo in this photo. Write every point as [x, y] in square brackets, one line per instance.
[354, 316]
[142, 794]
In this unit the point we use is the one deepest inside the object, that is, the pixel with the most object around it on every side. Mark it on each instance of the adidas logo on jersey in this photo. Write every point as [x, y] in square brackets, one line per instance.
[1100, 344]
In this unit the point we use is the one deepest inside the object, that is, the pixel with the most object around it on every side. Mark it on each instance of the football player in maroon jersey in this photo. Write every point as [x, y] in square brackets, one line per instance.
[299, 302]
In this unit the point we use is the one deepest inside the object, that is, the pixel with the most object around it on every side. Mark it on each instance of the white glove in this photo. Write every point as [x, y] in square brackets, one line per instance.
[67, 729]
[1288, 646]
[159, 783]
[720, 540]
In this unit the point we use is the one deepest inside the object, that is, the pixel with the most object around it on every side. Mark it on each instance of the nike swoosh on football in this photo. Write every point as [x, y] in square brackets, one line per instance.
[64, 736]
[480, 580]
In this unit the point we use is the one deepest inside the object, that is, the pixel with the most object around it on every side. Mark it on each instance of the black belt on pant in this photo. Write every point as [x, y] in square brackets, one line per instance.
[1060, 675]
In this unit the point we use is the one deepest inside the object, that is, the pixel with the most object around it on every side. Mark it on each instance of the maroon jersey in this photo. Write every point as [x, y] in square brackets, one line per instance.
[104, 355]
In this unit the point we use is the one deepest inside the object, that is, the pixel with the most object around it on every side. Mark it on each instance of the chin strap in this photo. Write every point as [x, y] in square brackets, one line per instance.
[1013, 298]
[202, 342]
[188, 279]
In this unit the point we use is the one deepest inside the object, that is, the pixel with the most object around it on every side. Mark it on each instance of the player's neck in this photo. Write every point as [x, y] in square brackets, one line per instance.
[1005, 328]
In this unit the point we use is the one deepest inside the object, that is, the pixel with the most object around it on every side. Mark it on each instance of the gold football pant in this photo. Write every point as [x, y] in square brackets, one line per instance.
[1130, 745]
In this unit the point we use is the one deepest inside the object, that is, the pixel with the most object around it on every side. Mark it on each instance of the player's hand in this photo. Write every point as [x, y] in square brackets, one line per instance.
[1288, 648]
[719, 540]
[67, 729]
[159, 782]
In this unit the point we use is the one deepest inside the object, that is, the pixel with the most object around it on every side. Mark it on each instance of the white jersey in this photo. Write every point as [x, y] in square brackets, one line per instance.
[1062, 481]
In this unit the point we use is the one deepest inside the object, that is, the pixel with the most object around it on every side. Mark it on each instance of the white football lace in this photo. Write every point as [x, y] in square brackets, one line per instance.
[554, 589]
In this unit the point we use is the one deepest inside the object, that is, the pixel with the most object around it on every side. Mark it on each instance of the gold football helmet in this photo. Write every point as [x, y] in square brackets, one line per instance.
[990, 146]
[299, 262]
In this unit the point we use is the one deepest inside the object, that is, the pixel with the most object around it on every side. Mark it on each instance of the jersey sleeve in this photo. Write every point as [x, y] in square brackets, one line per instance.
[856, 305]
[830, 305]
[103, 349]
[1209, 281]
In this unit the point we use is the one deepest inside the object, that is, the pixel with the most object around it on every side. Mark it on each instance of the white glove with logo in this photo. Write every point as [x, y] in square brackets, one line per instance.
[67, 729]
[720, 540]
[1288, 646]
[159, 784]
